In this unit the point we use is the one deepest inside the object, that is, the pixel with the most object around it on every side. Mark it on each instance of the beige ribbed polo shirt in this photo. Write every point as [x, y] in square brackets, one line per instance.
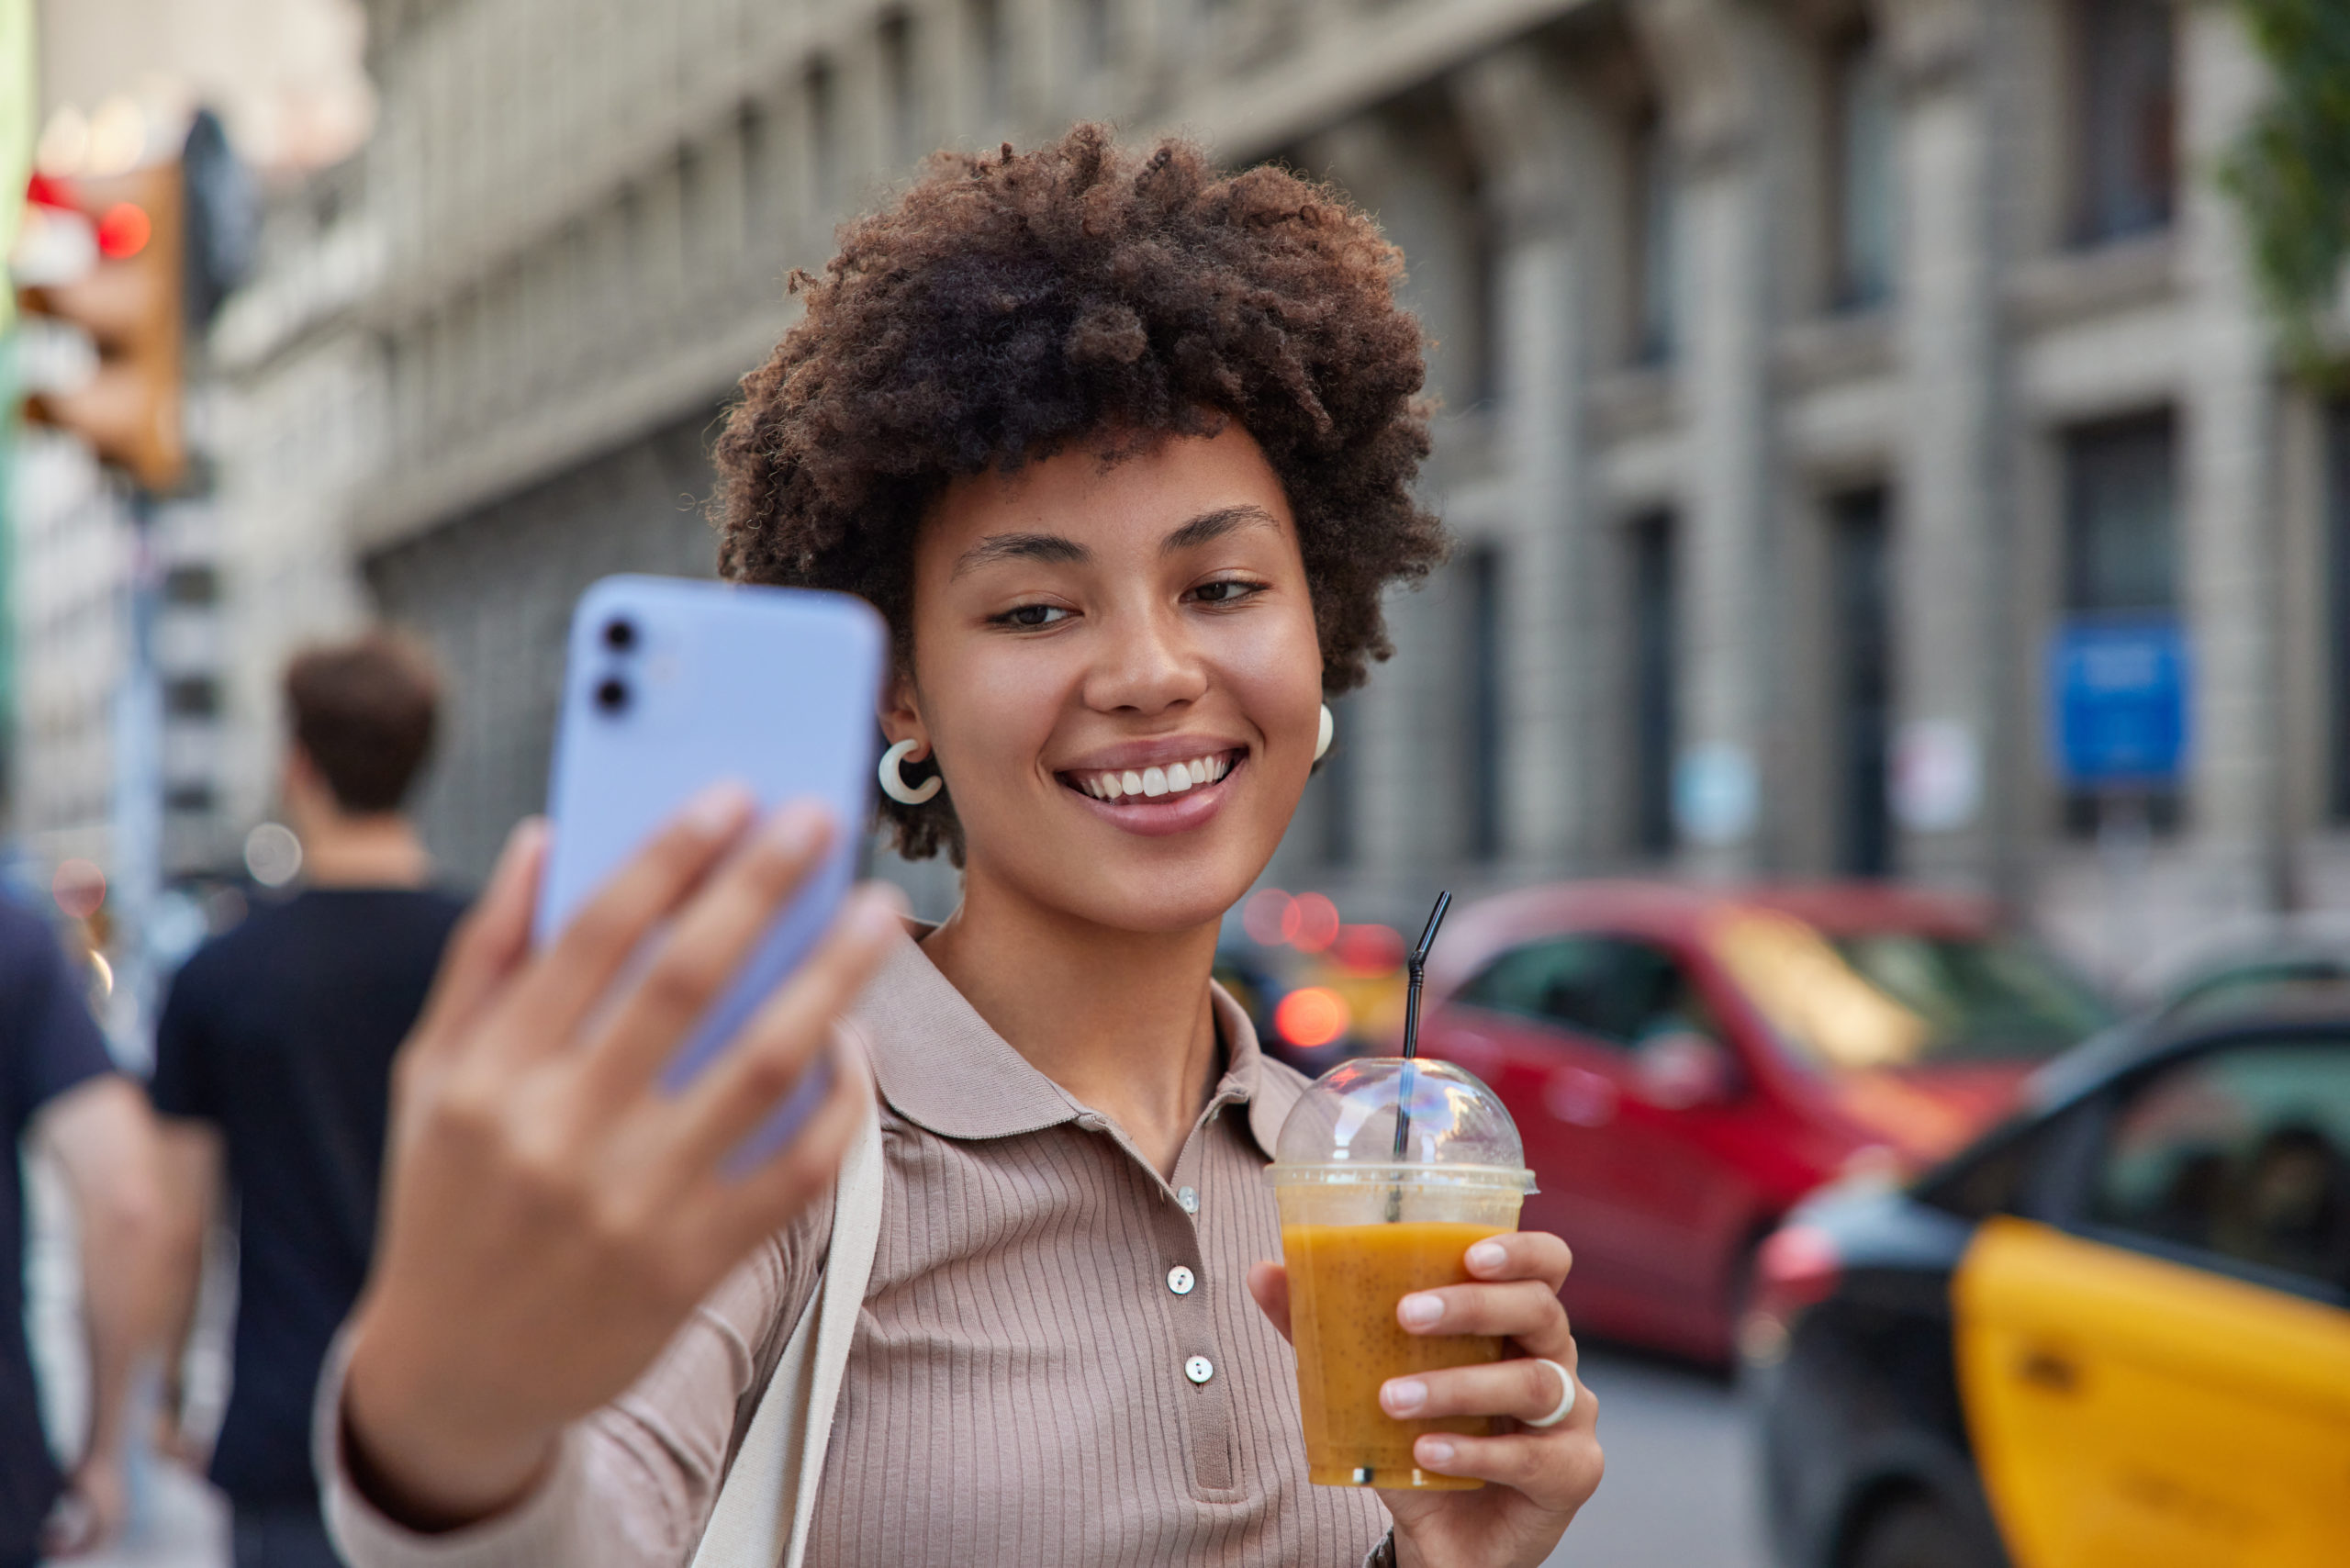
[1058, 1361]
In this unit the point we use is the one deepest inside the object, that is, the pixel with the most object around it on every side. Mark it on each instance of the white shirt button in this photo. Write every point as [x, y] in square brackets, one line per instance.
[1190, 1198]
[1181, 1280]
[1199, 1368]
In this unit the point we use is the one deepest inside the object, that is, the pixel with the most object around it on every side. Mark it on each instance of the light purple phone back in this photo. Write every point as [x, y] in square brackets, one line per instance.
[772, 688]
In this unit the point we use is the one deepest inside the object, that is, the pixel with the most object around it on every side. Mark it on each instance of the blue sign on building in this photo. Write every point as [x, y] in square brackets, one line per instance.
[2117, 692]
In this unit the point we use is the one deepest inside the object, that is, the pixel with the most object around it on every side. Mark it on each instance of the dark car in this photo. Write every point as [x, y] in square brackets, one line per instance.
[1685, 1064]
[2115, 1331]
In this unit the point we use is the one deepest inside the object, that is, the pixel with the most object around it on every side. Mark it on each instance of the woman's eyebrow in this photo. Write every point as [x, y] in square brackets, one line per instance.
[1052, 547]
[1208, 527]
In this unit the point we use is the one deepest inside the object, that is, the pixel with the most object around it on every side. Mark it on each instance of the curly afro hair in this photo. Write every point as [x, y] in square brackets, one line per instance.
[1010, 304]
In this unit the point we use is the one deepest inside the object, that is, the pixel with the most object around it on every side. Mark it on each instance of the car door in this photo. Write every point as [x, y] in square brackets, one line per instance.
[2161, 1378]
[1557, 1027]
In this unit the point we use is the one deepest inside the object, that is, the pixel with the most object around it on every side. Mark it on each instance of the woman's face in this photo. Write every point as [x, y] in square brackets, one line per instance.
[1082, 627]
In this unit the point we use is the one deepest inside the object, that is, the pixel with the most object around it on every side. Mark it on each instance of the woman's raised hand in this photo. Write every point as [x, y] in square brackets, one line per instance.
[1537, 1477]
[551, 1214]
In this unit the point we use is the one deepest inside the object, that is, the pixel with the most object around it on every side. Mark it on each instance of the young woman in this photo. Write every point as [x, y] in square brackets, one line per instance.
[1122, 450]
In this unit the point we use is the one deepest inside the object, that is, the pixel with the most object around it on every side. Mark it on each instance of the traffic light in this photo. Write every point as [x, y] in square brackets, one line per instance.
[100, 279]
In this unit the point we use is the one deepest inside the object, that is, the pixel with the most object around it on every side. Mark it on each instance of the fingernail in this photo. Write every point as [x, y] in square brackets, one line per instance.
[798, 830]
[1419, 1311]
[1487, 1255]
[1403, 1395]
[719, 810]
[1433, 1453]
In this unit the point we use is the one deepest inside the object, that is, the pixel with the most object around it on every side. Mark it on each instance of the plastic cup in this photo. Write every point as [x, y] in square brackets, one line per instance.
[1362, 1228]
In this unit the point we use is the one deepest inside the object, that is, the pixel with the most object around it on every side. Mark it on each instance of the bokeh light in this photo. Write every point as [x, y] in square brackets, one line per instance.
[1318, 923]
[1312, 1016]
[124, 229]
[79, 888]
[1269, 917]
[272, 855]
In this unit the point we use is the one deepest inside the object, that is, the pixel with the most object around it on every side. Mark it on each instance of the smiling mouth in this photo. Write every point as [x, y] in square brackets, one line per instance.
[1144, 786]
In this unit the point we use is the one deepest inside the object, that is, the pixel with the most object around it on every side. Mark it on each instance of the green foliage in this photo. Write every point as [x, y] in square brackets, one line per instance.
[2291, 173]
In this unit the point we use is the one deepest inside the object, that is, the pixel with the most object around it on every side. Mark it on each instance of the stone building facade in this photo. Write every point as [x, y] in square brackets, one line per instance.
[1804, 363]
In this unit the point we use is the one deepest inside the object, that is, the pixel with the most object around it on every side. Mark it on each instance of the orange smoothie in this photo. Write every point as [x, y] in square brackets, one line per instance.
[1344, 1282]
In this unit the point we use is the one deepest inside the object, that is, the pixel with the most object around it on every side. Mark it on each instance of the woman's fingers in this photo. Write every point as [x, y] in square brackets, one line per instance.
[699, 955]
[1525, 1310]
[545, 1007]
[1524, 1390]
[489, 943]
[1521, 1255]
[744, 1209]
[1558, 1468]
[763, 1064]
[1269, 1284]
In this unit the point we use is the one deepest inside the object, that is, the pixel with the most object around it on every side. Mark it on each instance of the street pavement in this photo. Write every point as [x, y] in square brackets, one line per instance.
[1680, 1490]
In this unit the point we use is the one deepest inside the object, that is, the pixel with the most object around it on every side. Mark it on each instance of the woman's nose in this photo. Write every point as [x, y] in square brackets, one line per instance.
[1147, 662]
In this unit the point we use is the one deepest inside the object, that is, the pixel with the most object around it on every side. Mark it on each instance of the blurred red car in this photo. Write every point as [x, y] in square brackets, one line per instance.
[1685, 1064]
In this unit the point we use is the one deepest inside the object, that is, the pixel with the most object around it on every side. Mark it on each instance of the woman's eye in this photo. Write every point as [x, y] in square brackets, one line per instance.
[1226, 591]
[1027, 616]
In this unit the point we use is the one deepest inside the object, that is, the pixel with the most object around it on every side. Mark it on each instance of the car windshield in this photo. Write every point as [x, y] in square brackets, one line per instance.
[1893, 999]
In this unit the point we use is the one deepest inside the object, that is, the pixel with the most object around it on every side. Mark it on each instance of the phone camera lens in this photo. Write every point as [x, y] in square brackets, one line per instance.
[620, 634]
[611, 694]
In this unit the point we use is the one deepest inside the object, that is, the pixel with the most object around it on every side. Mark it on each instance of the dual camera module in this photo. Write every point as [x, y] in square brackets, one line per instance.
[612, 692]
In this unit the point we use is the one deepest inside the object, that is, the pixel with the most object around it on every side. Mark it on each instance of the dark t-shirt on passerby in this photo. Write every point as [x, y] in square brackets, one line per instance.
[49, 1043]
[281, 1034]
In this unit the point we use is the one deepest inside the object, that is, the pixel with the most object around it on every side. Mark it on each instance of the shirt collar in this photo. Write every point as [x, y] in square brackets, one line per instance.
[940, 1066]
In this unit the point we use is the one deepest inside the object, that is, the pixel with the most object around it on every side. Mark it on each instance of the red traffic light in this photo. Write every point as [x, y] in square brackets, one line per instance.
[124, 229]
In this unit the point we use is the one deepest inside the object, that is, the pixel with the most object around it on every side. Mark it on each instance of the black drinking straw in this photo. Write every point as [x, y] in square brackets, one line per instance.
[1417, 968]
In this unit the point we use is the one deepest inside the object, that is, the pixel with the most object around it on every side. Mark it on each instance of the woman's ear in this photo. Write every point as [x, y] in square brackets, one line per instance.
[899, 714]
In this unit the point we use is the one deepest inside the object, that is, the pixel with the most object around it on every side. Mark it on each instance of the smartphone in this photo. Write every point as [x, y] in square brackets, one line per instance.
[673, 685]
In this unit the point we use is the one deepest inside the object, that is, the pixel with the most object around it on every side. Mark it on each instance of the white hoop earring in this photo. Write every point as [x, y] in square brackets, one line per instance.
[1329, 728]
[893, 783]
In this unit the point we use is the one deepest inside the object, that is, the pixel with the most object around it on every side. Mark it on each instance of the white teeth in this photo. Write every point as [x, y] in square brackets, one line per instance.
[1172, 779]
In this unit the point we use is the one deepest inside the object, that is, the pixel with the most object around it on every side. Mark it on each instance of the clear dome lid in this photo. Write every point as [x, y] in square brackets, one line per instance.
[1455, 1130]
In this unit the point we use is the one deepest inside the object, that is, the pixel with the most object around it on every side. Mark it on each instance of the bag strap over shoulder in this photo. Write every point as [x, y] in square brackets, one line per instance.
[769, 1496]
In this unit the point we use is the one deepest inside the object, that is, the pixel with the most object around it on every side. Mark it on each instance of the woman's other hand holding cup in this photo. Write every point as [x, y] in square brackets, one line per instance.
[1539, 1477]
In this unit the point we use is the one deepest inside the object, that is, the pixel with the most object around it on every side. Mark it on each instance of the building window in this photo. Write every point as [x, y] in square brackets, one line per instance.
[1656, 664]
[1339, 781]
[2121, 523]
[1860, 568]
[757, 129]
[824, 135]
[2121, 550]
[898, 82]
[1093, 30]
[2337, 510]
[1487, 716]
[191, 696]
[2126, 158]
[191, 585]
[994, 58]
[188, 798]
[1656, 243]
[1862, 187]
[1485, 303]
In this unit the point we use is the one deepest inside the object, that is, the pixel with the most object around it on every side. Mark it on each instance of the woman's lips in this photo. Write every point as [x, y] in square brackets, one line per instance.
[1171, 810]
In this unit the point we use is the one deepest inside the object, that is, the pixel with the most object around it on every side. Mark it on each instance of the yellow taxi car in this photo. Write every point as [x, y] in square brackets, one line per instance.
[2114, 1334]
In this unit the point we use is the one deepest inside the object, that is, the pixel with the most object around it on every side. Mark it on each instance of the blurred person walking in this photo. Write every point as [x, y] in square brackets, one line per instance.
[60, 1094]
[273, 1073]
